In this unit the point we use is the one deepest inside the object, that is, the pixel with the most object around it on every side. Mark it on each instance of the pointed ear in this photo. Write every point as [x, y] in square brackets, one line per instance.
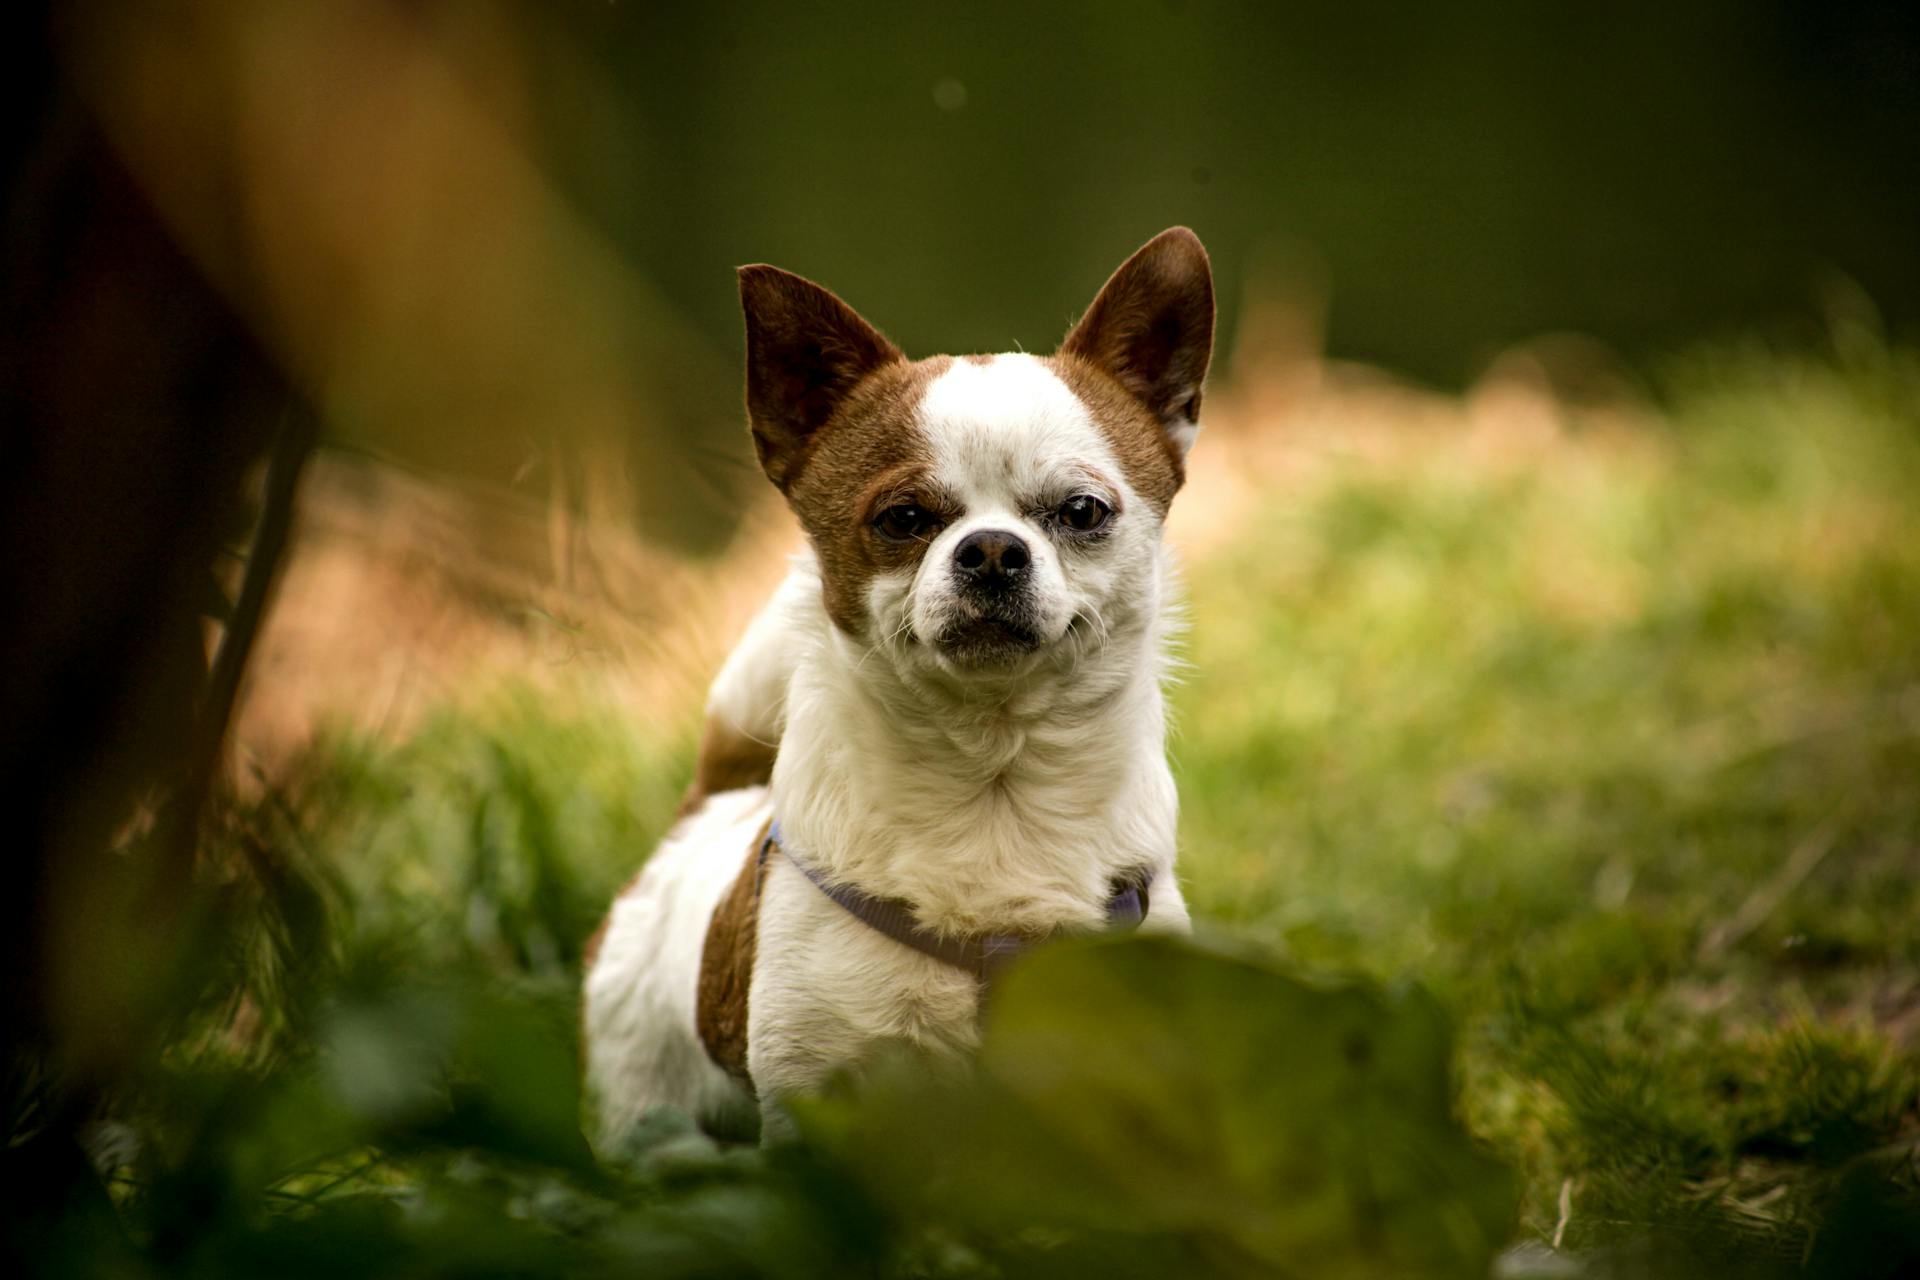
[806, 350]
[1151, 330]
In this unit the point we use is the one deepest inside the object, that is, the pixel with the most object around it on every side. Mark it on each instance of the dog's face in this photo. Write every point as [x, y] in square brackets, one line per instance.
[986, 515]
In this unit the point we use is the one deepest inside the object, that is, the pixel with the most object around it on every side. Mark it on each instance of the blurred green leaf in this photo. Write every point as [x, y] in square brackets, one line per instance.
[1152, 1087]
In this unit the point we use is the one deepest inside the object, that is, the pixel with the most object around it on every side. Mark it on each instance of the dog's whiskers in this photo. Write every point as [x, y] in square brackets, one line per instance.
[905, 627]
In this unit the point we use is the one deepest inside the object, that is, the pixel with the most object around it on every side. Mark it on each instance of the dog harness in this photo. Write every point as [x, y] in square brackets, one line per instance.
[981, 954]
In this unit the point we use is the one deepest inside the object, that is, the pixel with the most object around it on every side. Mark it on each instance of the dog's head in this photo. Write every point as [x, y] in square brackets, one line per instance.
[984, 514]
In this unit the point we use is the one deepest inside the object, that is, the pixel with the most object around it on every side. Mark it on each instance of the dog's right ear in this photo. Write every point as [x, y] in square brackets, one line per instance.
[806, 350]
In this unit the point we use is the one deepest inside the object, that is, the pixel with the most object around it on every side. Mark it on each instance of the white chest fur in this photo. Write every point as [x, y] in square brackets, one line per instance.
[1012, 819]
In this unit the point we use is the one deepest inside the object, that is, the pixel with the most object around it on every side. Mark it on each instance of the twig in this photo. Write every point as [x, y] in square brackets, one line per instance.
[293, 442]
[1566, 1212]
[1763, 901]
[319, 1193]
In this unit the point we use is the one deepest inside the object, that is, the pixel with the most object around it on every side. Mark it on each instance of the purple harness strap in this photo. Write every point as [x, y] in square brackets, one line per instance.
[981, 954]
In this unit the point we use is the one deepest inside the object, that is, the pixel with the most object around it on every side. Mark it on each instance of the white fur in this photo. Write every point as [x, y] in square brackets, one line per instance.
[749, 695]
[995, 800]
[642, 1047]
[1183, 431]
[1012, 442]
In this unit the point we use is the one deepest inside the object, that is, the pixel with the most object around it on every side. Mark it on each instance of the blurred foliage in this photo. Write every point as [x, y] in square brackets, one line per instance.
[361, 1086]
[1614, 741]
[1455, 179]
[489, 235]
[1169, 1109]
[1610, 739]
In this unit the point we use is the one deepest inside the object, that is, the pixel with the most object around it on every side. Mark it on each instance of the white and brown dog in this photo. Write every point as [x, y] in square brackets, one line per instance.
[963, 680]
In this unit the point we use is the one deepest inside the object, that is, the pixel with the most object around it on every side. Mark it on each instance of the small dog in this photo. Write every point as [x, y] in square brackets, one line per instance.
[963, 679]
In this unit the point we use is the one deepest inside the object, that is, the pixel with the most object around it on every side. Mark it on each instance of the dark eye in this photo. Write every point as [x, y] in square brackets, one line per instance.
[905, 522]
[1083, 514]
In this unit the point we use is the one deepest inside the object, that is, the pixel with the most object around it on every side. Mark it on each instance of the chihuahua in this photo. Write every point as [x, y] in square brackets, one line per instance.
[943, 739]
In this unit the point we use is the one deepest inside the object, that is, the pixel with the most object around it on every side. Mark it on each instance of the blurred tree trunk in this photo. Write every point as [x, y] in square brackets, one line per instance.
[135, 404]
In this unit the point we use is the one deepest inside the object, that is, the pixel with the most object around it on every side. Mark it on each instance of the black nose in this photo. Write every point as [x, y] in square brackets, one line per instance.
[991, 558]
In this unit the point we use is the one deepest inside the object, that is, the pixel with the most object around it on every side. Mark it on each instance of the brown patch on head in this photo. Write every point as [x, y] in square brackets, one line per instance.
[1154, 466]
[832, 403]
[726, 967]
[869, 455]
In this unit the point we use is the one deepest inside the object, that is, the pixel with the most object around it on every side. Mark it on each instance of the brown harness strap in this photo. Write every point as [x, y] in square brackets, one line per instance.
[726, 966]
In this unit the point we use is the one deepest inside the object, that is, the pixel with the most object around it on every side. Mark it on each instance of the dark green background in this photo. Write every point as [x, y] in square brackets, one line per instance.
[1457, 177]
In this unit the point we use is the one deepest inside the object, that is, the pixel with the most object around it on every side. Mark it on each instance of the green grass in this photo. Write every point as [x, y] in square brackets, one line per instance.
[1612, 744]
[495, 834]
[1617, 748]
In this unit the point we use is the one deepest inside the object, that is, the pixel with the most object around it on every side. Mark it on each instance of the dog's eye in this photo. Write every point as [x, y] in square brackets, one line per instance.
[1083, 514]
[905, 522]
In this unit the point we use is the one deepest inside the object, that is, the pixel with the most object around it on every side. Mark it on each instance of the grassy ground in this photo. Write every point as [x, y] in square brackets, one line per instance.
[1615, 744]
[1608, 736]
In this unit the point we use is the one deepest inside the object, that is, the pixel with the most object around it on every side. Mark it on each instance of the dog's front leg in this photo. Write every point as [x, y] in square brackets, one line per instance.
[782, 1070]
[795, 1046]
[830, 994]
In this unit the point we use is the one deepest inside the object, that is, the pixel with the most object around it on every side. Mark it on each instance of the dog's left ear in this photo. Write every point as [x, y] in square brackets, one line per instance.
[1151, 330]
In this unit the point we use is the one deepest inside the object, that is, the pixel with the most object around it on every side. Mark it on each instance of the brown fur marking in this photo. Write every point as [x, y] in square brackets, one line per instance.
[1153, 466]
[728, 761]
[1148, 337]
[831, 403]
[726, 968]
[806, 351]
[873, 434]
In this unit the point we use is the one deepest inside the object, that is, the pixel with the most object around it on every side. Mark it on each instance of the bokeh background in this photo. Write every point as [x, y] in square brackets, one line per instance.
[380, 501]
